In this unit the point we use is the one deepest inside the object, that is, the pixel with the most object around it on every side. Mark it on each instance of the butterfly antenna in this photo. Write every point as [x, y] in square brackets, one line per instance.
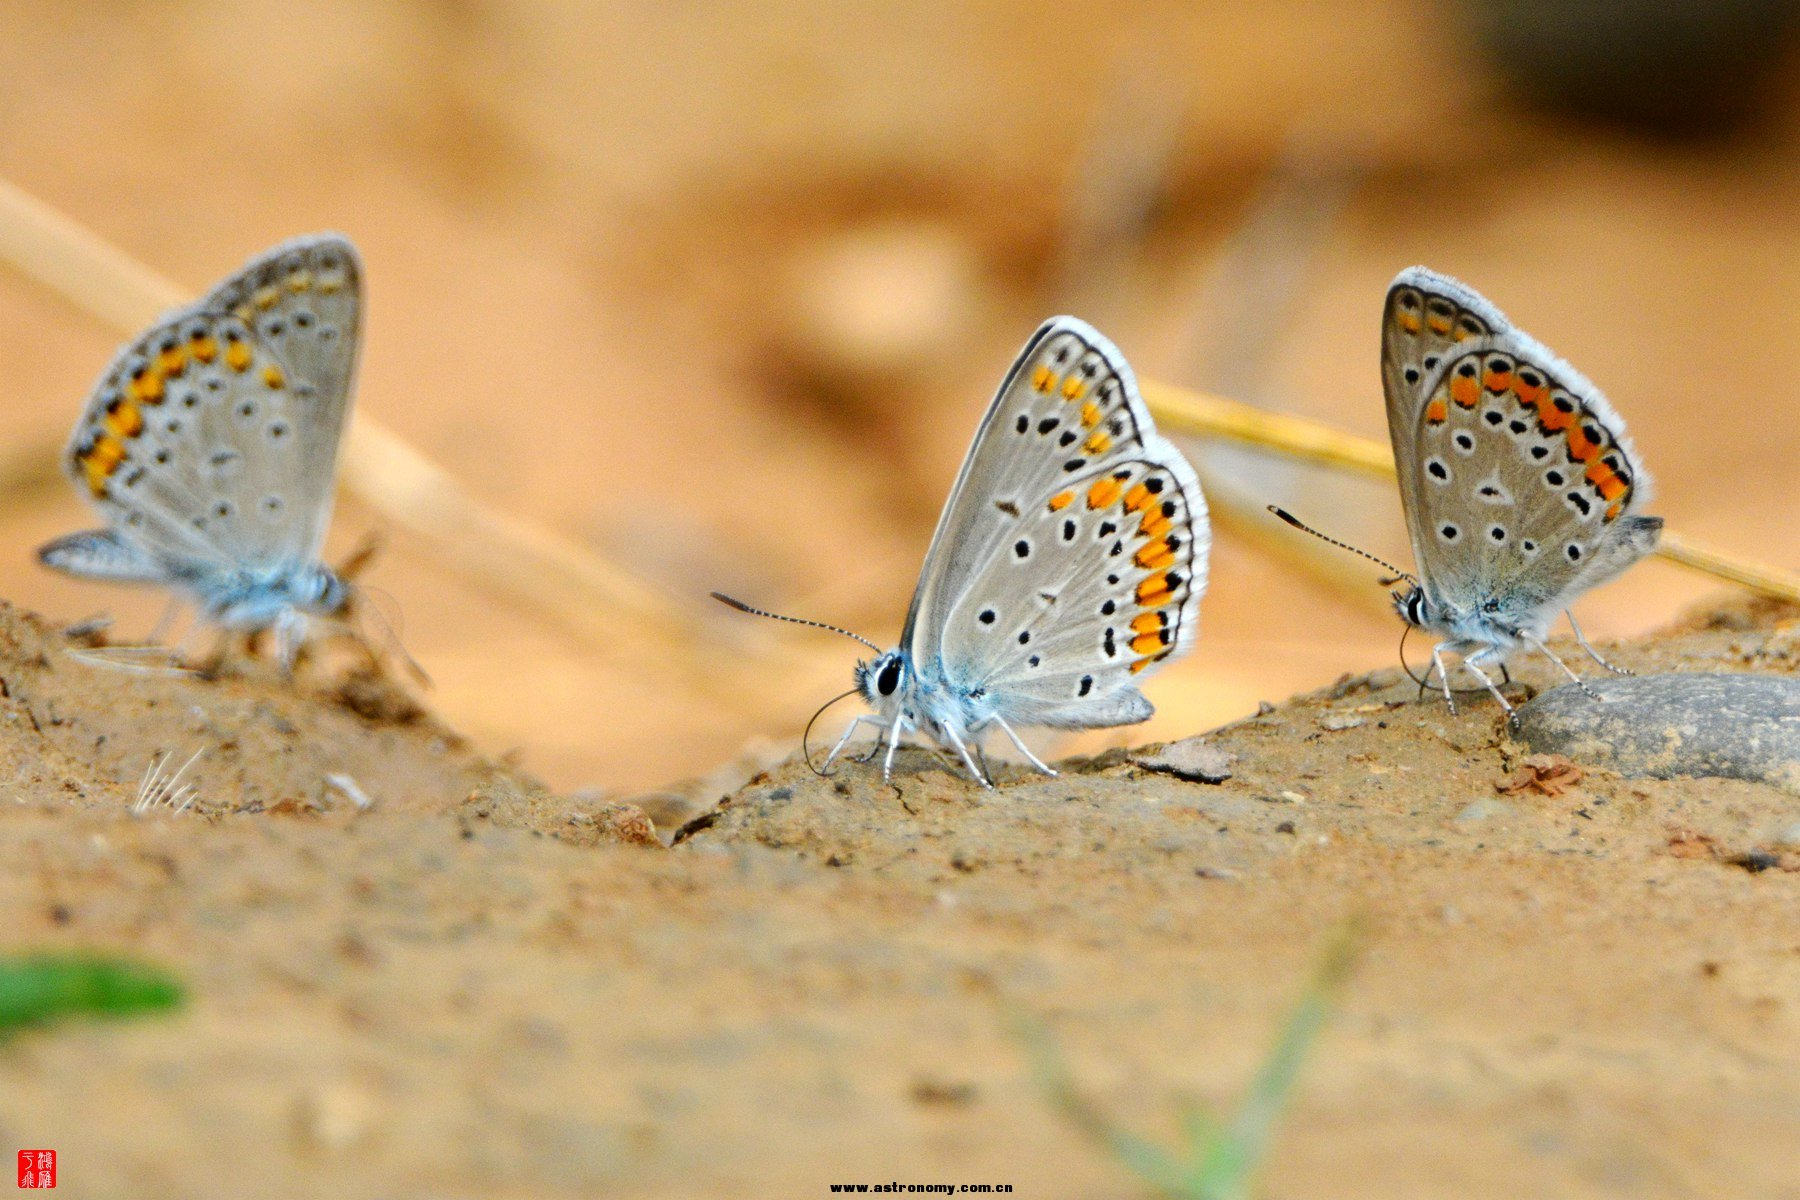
[805, 749]
[722, 598]
[387, 629]
[1297, 523]
[358, 559]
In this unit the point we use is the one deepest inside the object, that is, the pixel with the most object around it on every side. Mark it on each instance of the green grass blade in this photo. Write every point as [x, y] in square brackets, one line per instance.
[1229, 1160]
[36, 989]
[1145, 1159]
[1218, 1162]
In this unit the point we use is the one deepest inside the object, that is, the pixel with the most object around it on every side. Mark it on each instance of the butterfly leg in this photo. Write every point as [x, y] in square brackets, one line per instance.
[887, 761]
[981, 757]
[1437, 664]
[1475, 670]
[1577, 680]
[845, 740]
[962, 750]
[1581, 640]
[164, 622]
[1023, 748]
[289, 633]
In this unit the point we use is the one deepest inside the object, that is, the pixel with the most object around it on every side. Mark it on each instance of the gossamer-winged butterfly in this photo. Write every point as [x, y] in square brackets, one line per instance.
[210, 445]
[1069, 560]
[1520, 487]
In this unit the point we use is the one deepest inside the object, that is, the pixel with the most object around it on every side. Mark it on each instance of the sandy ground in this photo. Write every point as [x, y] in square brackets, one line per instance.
[477, 988]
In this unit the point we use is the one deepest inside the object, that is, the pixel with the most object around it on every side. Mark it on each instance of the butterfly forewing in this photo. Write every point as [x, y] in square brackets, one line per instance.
[211, 442]
[1425, 316]
[1072, 553]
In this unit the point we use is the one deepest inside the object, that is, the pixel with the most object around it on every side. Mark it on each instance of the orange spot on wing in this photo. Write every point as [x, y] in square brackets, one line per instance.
[1061, 501]
[1148, 643]
[205, 347]
[1154, 556]
[1465, 391]
[1041, 379]
[1438, 324]
[124, 419]
[299, 281]
[1099, 443]
[1073, 388]
[1103, 493]
[237, 354]
[1148, 622]
[147, 388]
[1408, 321]
[1090, 414]
[1580, 446]
[1437, 412]
[265, 297]
[1137, 498]
[1154, 524]
[273, 377]
[100, 461]
[1549, 416]
[1142, 663]
[1613, 488]
[1153, 590]
[1614, 509]
[1497, 381]
[173, 361]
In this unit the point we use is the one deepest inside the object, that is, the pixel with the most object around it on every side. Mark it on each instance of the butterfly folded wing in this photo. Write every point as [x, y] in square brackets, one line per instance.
[1527, 488]
[1071, 556]
[210, 443]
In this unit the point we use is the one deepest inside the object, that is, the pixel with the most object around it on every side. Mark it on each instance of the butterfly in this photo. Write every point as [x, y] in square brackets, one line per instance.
[1520, 486]
[1068, 562]
[210, 445]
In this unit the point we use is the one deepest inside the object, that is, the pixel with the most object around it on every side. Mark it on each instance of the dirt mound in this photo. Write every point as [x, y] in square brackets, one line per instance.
[1574, 983]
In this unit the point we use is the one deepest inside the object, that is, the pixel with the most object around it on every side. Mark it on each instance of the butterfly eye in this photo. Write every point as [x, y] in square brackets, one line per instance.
[889, 679]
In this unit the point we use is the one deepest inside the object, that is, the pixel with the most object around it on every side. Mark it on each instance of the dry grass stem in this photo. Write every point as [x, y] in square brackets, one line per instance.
[1197, 414]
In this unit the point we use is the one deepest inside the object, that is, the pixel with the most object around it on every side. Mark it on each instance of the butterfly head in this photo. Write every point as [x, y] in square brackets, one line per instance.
[331, 594]
[881, 680]
[1415, 607]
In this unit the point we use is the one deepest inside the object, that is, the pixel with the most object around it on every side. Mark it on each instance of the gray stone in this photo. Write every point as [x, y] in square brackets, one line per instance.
[1671, 726]
[1191, 758]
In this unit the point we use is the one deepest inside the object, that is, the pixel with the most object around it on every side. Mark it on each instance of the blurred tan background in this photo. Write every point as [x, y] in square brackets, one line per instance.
[721, 289]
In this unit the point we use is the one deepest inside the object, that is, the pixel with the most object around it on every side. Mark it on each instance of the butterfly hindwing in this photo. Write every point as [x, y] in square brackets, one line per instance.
[210, 443]
[1520, 485]
[1072, 553]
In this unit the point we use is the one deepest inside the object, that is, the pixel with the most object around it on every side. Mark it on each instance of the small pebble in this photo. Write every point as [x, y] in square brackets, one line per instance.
[1789, 838]
[1336, 722]
[1482, 809]
[1192, 758]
